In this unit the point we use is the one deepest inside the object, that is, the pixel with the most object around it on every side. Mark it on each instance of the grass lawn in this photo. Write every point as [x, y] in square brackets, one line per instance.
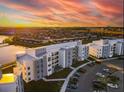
[8, 68]
[60, 74]
[78, 63]
[42, 86]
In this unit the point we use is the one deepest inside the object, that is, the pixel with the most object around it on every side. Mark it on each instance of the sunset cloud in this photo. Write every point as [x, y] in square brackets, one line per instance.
[63, 12]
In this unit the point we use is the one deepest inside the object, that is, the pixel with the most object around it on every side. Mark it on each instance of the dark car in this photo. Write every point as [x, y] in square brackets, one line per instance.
[81, 70]
[77, 74]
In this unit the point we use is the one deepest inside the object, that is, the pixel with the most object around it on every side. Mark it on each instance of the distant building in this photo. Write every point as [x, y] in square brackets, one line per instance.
[43, 61]
[106, 48]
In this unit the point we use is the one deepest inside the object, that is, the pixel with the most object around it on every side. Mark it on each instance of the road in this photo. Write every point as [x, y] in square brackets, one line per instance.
[85, 81]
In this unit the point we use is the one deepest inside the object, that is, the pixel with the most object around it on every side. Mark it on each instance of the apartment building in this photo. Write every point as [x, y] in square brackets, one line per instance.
[117, 47]
[43, 61]
[106, 48]
[11, 82]
[83, 52]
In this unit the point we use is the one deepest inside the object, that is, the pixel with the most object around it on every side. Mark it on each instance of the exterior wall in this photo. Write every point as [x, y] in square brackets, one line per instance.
[9, 87]
[68, 57]
[105, 51]
[49, 64]
[45, 63]
[106, 48]
[55, 60]
[62, 58]
[75, 53]
[116, 46]
[19, 84]
[65, 57]
[119, 48]
[28, 71]
[38, 69]
[96, 52]
[83, 52]
[15, 86]
[100, 51]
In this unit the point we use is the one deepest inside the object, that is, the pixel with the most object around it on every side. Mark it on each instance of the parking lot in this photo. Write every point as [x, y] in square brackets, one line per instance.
[86, 79]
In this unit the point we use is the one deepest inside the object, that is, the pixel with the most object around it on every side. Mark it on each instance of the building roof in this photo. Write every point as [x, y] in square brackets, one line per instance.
[26, 57]
[54, 47]
[116, 41]
[7, 78]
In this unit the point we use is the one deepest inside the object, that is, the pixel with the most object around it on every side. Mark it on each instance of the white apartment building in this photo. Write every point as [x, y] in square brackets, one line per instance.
[117, 47]
[106, 48]
[11, 82]
[43, 61]
[83, 52]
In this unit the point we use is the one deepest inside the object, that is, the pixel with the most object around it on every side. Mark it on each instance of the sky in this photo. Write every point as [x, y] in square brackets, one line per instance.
[61, 13]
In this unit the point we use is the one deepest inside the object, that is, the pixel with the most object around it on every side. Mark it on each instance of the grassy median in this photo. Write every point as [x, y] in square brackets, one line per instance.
[42, 86]
[60, 74]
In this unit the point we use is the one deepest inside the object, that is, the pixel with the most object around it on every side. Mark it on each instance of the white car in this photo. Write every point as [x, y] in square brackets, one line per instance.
[112, 85]
[100, 74]
[106, 69]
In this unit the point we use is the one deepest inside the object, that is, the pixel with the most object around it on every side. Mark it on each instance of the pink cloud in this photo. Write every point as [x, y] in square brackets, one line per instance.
[82, 11]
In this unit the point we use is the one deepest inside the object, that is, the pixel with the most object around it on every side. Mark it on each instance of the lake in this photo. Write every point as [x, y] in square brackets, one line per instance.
[2, 38]
[8, 53]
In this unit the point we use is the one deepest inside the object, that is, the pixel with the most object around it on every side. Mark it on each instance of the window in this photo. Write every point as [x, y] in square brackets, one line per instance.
[49, 69]
[28, 68]
[49, 58]
[57, 53]
[38, 71]
[29, 73]
[29, 78]
[37, 66]
[38, 76]
[41, 60]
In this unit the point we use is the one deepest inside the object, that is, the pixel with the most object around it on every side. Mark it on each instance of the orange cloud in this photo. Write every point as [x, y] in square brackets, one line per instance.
[81, 12]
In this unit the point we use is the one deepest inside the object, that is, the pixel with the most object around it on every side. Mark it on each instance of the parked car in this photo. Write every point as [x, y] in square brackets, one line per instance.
[81, 70]
[75, 78]
[74, 86]
[90, 65]
[100, 74]
[77, 74]
[106, 70]
[94, 62]
[112, 85]
[96, 81]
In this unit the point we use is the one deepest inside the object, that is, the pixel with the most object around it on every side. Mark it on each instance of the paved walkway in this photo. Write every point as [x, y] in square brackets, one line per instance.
[53, 79]
[72, 67]
[63, 88]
